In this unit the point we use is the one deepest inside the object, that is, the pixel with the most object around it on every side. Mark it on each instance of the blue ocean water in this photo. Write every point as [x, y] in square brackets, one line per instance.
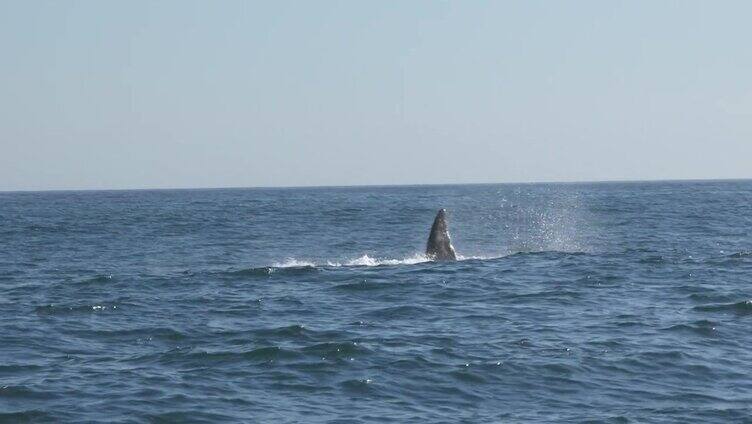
[608, 302]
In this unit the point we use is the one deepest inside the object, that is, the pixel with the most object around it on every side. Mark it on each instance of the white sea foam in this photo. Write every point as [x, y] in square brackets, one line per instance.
[479, 258]
[363, 260]
[293, 263]
[368, 261]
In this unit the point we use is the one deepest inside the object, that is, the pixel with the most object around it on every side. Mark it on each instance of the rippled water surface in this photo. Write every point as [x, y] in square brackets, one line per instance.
[618, 302]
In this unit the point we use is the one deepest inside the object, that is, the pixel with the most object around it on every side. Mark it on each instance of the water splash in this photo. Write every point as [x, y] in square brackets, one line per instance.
[293, 263]
[366, 260]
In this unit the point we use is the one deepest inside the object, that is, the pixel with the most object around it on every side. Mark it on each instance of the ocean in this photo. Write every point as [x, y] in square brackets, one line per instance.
[591, 302]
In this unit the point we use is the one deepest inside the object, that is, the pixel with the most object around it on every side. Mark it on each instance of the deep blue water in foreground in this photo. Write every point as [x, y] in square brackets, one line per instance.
[613, 302]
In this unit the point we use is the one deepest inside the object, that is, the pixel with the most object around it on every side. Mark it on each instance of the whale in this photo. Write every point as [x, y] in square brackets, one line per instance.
[439, 246]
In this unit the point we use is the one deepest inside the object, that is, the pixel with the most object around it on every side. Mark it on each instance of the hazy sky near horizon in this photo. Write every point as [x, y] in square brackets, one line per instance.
[140, 94]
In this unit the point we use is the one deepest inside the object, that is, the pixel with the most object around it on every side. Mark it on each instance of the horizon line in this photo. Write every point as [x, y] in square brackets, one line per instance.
[283, 187]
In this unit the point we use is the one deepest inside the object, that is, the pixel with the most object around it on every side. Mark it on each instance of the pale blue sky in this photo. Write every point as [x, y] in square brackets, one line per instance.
[134, 94]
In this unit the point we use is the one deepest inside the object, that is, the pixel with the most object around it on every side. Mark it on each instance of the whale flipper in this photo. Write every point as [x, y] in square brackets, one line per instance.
[439, 247]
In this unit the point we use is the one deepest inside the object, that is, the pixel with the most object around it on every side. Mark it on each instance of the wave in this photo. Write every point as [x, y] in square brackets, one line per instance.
[740, 255]
[369, 261]
[32, 415]
[265, 271]
[296, 266]
[364, 260]
[739, 308]
[293, 263]
[53, 309]
[701, 327]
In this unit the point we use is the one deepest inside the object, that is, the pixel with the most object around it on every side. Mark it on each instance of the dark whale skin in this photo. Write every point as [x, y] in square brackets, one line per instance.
[439, 246]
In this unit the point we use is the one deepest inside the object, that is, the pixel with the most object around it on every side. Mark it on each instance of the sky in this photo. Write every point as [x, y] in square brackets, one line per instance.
[178, 94]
